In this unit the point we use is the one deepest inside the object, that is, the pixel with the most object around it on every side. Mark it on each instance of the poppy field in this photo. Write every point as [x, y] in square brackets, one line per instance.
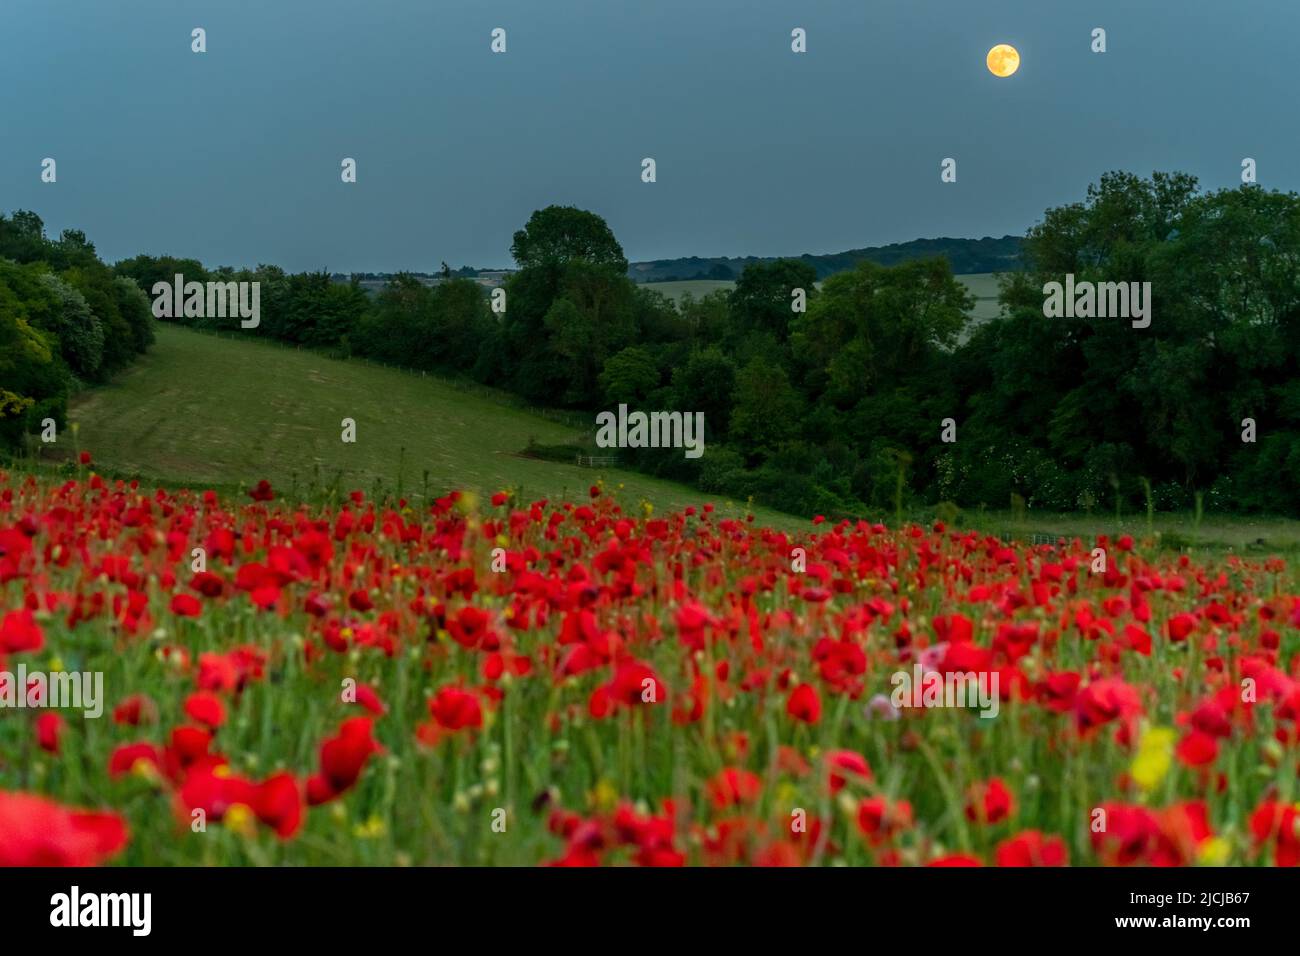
[496, 681]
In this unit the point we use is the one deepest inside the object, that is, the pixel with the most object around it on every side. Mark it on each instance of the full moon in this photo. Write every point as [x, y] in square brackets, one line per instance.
[1003, 60]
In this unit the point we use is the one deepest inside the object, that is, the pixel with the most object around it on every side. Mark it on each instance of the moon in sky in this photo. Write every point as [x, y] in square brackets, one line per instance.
[1003, 60]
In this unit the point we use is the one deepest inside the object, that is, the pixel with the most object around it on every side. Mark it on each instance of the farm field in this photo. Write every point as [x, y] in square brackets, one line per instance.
[695, 287]
[984, 286]
[354, 684]
[225, 412]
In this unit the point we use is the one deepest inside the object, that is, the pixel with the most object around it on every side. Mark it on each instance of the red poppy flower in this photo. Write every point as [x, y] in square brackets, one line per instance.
[49, 731]
[123, 760]
[470, 628]
[880, 819]
[845, 766]
[368, 698]
[1197, 749]
[206, 708]
[213, 792]
[804, 704]
[1278, 824]
[207, 584]
[636, 683]
[1105, 700]
[1031, 848]
[186, 605]
[278, 803]
[38, 832]
[456, 709]
[990, 802]
[20, 632]
[1136, 835]
[135, 710]
[1180, 626]
[189, 747]
[732, 786]
[342, 758]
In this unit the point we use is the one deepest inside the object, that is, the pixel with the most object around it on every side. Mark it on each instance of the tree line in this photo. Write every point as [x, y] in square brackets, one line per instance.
[843, 408]
[964, 255]
[66, 320]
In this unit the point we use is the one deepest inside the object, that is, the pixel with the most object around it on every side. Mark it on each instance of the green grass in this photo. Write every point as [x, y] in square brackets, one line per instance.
[226, 412]
[1216, 533]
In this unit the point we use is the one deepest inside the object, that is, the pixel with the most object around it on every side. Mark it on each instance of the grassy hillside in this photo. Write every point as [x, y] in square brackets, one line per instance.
[225, 412]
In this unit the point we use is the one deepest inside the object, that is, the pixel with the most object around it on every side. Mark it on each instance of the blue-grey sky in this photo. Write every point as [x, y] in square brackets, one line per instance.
[233, 155]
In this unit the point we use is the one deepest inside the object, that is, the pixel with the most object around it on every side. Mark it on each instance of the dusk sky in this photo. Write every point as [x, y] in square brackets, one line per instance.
[233, 156]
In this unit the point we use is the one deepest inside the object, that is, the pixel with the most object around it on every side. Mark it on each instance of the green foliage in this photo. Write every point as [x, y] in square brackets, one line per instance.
[869, 328]
[766, 409]
[65, 319]
[706, 383]
[32, 386]
[439, 328]
[630, 377]
[762, 298]
[147, 271]
[77, 328]
[564, 452]
[1166, 401]
[558, 235]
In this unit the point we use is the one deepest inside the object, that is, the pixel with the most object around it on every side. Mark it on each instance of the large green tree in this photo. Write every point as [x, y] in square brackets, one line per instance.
[558, 235]
[763, 298]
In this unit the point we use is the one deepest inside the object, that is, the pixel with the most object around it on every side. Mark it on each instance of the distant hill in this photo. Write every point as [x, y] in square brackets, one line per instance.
[965, 255]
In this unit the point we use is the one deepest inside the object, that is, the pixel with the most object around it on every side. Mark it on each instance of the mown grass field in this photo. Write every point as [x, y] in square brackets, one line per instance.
[199, 410]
